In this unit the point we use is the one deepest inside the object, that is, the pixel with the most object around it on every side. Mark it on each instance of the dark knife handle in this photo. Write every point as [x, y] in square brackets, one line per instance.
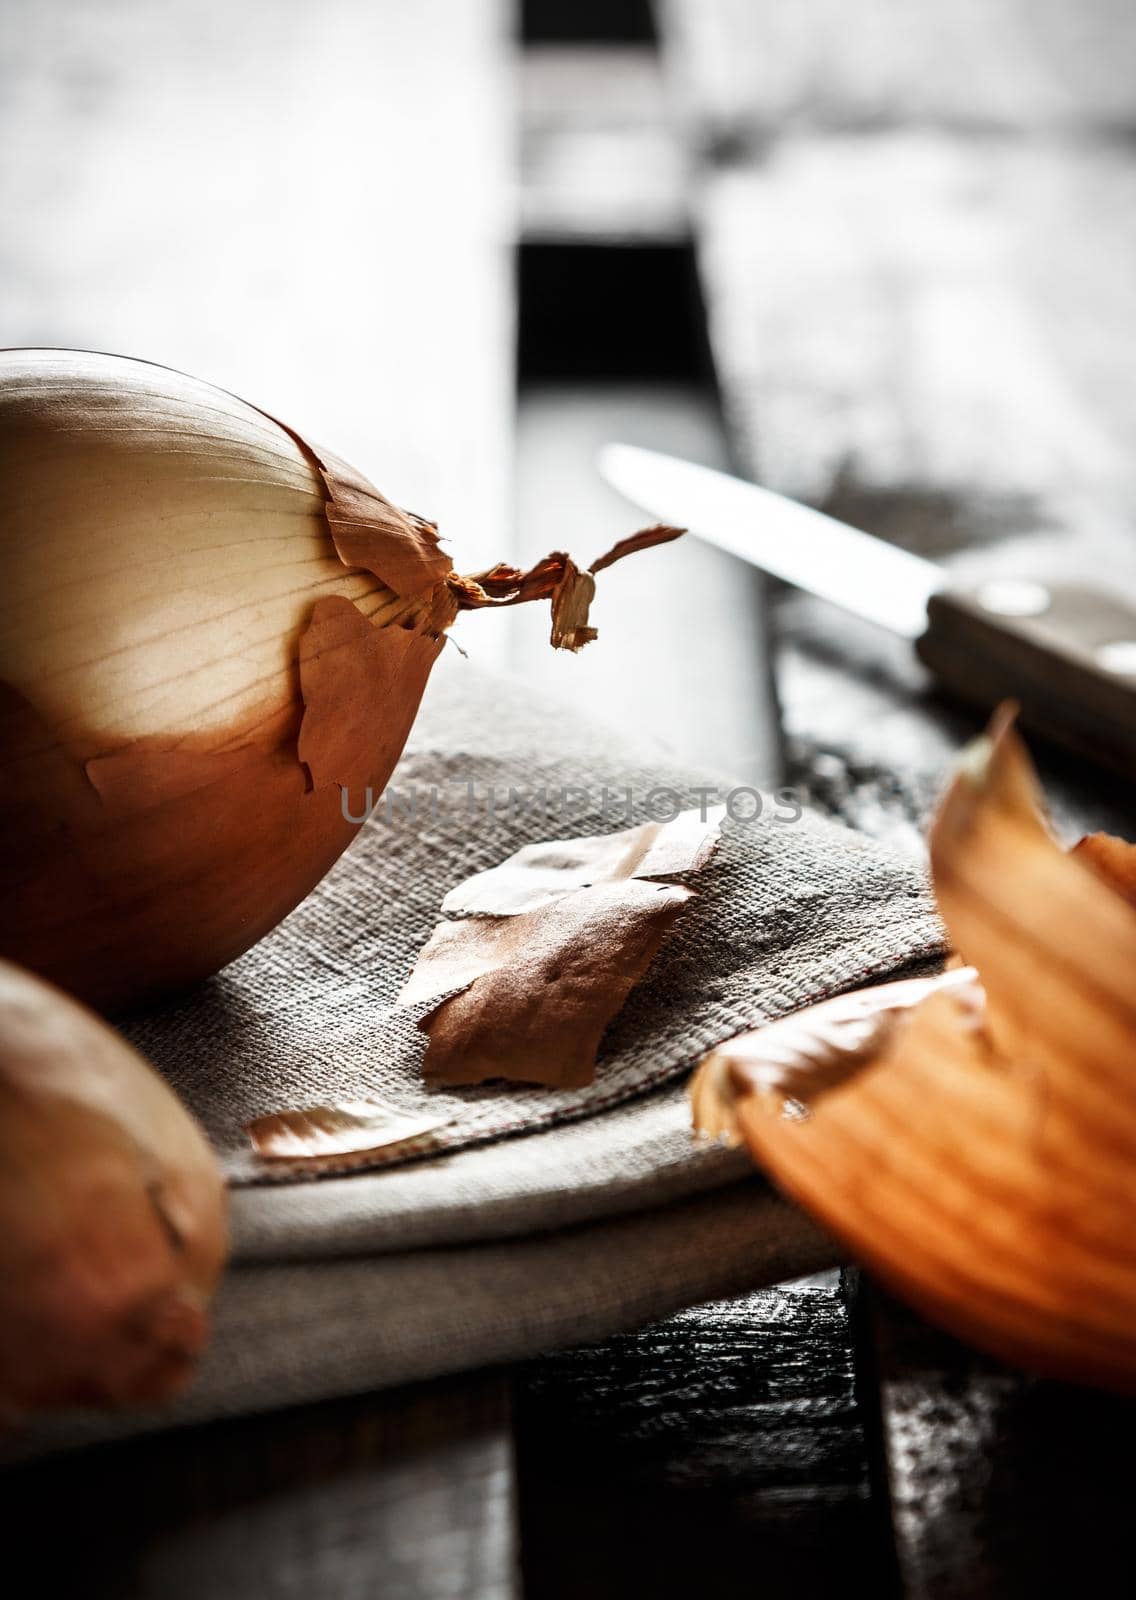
[1065, 652]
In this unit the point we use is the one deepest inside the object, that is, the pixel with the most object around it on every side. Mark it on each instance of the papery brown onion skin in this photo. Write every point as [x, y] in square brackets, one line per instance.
[169, 786]
[113, 1214]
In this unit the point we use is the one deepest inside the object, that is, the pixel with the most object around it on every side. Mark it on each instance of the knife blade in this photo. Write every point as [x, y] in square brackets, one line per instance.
[1065, 651]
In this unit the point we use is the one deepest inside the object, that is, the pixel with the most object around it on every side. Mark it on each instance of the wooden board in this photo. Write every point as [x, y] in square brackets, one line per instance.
[1003, 1487]
[408, 1495]
[748, 70]
[682, 655]
[929, 335]
[720, 1453]
[601, 158]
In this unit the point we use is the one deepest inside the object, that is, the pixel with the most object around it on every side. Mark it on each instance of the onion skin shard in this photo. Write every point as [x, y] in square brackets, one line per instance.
[113, 1230]
[977, 1153]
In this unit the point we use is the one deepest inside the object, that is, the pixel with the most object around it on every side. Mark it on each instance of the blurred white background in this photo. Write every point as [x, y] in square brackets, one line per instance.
[307, 204]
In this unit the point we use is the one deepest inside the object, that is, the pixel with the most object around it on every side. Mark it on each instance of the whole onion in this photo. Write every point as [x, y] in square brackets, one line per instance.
[208, 631]
[113, 1216]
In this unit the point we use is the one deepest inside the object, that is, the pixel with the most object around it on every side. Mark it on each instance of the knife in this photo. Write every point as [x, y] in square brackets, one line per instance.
[1066, 652]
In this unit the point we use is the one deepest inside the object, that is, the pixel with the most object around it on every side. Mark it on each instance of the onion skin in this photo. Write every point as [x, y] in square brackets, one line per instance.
[112, 1214]
[977, 1151]
[169, 776]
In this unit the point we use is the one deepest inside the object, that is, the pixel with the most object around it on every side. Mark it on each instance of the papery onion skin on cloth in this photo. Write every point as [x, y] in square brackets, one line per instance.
[113, 1215]
[208, 630]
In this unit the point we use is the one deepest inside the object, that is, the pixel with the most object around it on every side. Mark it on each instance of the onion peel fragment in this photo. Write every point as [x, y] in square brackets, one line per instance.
[370, 531]
[548, 946]
[1055, 945]
[978, 1154]
[539, 873]
[1112, 859]
[792, 1061]
[350, 670]
[313, 1141]
[538, 989]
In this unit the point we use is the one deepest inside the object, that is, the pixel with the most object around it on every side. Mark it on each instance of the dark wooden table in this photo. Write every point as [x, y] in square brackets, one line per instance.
[319, 207]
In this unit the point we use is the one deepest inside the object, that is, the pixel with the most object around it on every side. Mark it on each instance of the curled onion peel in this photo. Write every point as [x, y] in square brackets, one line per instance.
[972, 1136]
[112, 1213]
[208, 630]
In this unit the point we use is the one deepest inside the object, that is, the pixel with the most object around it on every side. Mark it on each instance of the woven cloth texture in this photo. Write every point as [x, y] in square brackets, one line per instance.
[543, 1223]
[785, 913]
[293, 1332]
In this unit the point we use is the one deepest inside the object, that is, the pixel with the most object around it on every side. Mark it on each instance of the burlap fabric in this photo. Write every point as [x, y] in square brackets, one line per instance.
[548, 1216]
